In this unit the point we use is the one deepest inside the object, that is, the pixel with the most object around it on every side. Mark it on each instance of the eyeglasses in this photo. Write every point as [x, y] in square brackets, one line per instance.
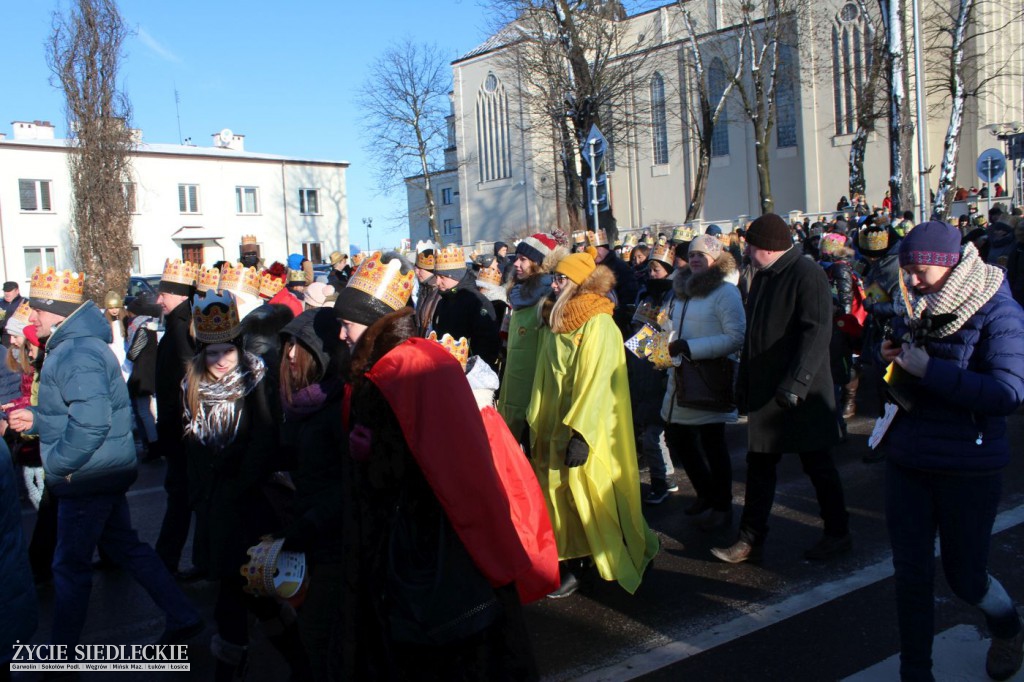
[560, 278]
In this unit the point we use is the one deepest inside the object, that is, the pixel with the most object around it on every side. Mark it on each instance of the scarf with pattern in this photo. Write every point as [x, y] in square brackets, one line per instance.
[971, 284]
[215, 425]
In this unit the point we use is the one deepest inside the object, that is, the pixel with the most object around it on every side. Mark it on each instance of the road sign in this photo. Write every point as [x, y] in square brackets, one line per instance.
[594, 147]
[991, 165]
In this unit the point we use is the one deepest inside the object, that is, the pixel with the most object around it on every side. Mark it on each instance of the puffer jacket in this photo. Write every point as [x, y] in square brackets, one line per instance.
[84, 416]
[975, 378]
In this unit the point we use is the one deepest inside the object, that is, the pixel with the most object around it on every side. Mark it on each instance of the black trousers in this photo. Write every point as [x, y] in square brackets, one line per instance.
[761, 479]
[703, 454]
[178, 516]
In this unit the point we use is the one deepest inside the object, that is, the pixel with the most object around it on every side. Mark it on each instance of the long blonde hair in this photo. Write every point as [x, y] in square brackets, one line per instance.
[568, 291]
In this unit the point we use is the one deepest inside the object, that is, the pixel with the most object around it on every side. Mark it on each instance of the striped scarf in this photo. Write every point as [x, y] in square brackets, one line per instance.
[216, 422]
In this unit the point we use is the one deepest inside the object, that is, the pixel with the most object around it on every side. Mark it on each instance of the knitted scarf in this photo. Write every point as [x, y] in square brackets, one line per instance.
[309, 400]
[970, 285]
[216, 423]
[580, 309]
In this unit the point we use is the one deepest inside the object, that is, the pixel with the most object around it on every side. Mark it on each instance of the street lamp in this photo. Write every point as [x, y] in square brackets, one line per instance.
[368, 222]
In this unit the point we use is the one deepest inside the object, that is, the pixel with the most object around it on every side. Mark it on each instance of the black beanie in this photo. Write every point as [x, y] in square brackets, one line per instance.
[769, 232]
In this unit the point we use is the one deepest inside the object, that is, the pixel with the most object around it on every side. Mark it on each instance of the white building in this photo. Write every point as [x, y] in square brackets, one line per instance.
[186, 201]
[510, 182]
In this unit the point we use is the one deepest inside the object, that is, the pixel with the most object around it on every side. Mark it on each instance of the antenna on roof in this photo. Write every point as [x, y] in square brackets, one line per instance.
[177, 111]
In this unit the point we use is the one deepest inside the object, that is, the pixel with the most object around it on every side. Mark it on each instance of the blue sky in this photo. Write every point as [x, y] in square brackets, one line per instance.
[285, 75]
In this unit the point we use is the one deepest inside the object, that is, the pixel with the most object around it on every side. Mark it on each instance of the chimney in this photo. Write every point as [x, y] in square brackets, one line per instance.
[34, 130]
[226, 139]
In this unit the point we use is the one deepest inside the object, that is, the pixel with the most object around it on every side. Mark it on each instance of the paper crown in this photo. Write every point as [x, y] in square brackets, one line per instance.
[215, 317]
[239, 279]
[270, 285]
[358, 258]
[273, 573]
[425, 245]
[208, 280]
[50, 285]
[296, 276]
[488, 276]
[386, 283]
[248, 239]
[874, 240]
[663, 251]
[180, 272]
[631, 241]
[17, 322]
[450, 259]
[425, 260]
[658, 346]
[599, 238]
[682, 233]
[458, 348]
[579, 237]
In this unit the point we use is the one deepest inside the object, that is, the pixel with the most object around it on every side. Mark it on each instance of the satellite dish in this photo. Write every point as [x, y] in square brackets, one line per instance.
[991, 165]
[226, 137]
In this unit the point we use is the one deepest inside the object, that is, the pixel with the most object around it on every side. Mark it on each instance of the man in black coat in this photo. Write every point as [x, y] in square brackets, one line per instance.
[786, 386]
[173, 355]
[462, 310]
[12, 299]
[626, 285]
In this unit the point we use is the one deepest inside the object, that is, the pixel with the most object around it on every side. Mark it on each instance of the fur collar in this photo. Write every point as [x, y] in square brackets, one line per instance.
[601, 281]
[685, 284]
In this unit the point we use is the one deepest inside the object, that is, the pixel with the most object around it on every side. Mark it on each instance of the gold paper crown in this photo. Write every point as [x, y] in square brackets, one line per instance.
[22, 313]
[489, 275]
[662, 251]
[248, 239]
[296, 276]
[209, 280]
[579, 237]
[239, 279]
[683, 233]
[215, 316]
[385, 282]
[658, 346]
[180, 272]
[599, 238]
[425, 260]
[270, 285]
[458, 348]
[449, 259]
[51, 285]
[631, 241]
[874, 240]
[271, 572]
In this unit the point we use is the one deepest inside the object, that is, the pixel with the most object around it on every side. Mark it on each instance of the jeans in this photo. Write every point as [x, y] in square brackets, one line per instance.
[658, 462]
[178, 516]
[104, 520]
[962, 509]
[761, 477]
[145, 417]
[703, 454]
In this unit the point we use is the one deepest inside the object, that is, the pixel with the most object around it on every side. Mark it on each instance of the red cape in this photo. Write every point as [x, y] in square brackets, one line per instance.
[429, 394]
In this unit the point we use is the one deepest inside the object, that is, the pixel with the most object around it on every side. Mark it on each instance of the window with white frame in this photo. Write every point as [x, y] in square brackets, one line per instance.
[188, 198]
[128, 189]
[34, 195]
[446, 196]
[314, 251]
[659, 119]
[309, 201]
[40, 257]
[247, 200]
[449, 226]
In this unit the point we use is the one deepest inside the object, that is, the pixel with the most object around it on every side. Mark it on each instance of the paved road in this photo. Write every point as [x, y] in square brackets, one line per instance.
[693, 617]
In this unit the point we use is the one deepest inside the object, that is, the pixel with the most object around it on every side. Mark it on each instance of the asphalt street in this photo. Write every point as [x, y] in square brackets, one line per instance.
[693, 617]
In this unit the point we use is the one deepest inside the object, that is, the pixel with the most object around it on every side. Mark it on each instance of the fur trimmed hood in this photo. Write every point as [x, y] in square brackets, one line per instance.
[601, 281]
[685, 284]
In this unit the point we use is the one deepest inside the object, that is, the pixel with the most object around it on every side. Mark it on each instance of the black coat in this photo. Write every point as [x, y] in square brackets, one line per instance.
[789, 327]
[464, 312]
[142, 381]
[173, 355]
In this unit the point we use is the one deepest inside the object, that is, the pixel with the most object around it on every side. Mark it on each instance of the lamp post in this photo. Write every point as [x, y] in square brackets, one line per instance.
[368, 222]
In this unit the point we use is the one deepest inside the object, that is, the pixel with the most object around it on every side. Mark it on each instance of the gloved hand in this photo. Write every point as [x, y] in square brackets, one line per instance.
[577, 452]
[360, 442]
[785, 399]
[34, 483]
[679, 347]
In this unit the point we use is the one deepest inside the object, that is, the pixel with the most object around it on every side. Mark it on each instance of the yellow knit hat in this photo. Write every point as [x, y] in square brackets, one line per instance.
[577, 266]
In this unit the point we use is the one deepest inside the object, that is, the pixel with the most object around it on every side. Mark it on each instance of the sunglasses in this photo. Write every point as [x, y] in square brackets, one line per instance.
[561, 279]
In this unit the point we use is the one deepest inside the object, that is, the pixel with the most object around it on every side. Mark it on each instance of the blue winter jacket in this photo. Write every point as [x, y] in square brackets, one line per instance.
[17, 593]
[84, 417]
[975, 378]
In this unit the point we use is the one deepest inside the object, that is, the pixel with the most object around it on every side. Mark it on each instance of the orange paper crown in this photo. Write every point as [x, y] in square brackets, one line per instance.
[239, 279]
[425, 260]
[248, 239]
[180, 272]
[51, 285]
[459, 348]
[215, 316]
[270, 285]
[209, 280]
[450, 259]
[488, 276]
[663, 251]
[386, 283]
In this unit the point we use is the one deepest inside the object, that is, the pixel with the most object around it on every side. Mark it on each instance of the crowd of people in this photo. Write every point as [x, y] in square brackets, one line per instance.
[380, 471]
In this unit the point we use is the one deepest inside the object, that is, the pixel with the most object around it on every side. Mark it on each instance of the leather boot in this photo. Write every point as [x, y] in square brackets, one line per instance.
[850, 397]
[738, 552]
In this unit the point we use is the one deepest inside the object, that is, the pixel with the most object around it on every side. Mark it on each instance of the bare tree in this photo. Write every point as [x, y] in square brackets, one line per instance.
[961, 69]
[871, 104]
[84, 55]
[707, 114]
[405, 102]
[901, 125]
[571, 71]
